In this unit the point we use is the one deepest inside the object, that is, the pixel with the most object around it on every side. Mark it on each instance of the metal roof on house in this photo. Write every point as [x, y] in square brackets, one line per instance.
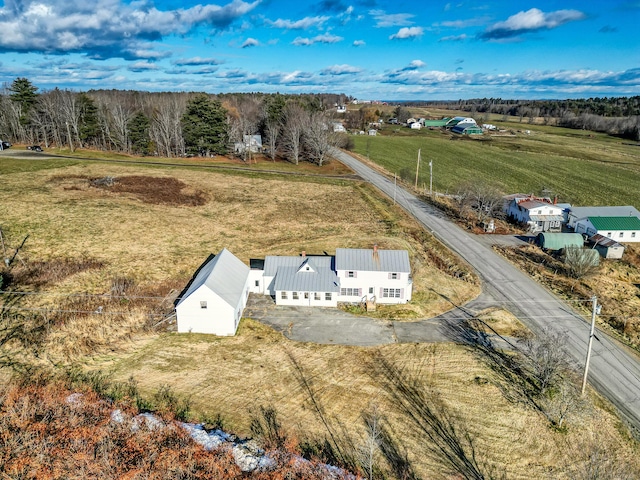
[530, 204]
[615, 223]
[225, 275]
[615, 211]
[297, 279]
[365, 260]
[273, 262]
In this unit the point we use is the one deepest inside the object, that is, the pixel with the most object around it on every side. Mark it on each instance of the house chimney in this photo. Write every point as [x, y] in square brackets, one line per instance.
[375, 248]
[303, 254]
[555, 200]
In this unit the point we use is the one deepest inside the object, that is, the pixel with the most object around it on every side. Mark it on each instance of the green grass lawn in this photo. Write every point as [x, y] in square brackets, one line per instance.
[581, 167]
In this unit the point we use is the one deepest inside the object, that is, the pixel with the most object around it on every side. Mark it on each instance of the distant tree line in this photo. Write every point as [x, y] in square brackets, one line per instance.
[618, 116]
[169, 124]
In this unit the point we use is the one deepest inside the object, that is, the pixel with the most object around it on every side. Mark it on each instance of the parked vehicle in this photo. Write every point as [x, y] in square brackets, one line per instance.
[34, 148]
[4, 145]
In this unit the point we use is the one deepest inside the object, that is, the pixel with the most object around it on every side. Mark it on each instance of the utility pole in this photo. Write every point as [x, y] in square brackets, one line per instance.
[594, 310]
[430, 177]
[417, 170]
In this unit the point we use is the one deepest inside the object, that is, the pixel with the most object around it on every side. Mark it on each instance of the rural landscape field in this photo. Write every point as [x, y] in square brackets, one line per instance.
[143, 237]
[278, 240]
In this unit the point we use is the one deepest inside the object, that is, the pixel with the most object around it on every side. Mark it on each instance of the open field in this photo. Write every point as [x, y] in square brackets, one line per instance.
[144, 238]
[581, 167]
[154, 226]
[234, 377]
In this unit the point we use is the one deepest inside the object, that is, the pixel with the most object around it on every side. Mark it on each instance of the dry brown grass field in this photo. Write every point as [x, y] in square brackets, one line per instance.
[142, 240]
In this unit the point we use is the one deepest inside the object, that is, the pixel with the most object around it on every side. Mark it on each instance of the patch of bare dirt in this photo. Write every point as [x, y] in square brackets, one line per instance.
[155, 190]
[40, 273]
[152, 190]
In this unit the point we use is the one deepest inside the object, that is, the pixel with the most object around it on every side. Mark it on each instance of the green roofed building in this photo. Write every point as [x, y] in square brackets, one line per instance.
[621, 229]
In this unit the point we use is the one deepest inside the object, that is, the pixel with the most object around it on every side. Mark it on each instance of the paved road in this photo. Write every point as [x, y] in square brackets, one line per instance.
[614, 371]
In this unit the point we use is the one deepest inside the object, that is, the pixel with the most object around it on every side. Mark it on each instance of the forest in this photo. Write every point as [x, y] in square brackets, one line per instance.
[169, 124]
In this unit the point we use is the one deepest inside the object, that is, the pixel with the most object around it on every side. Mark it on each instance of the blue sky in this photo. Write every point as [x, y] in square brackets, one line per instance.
[370, 49]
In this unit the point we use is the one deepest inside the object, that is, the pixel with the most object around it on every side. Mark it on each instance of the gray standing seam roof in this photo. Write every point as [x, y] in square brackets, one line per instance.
[292, 279]
[364, 260]
[225, 275]
[273, 262]
[618, 211]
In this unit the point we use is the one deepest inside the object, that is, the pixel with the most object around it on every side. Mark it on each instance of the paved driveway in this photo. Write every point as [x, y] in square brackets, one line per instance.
[337, 327]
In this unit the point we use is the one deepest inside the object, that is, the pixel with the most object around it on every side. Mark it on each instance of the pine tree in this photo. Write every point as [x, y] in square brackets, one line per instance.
[138, 131]
[204, 126]
[24, 93]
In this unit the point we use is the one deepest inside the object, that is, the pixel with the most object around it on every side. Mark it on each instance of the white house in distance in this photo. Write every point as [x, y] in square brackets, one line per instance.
[621, 229]
[213, 302]
[338, 127]
[540, 216]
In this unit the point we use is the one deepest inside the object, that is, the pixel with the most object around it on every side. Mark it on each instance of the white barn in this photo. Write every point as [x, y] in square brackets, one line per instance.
[620, 229]
[214, 300]
[576, 213]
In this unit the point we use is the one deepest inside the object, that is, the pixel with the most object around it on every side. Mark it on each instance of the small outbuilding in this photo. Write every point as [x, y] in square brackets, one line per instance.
[215, 298]
[467, 130]
[559, 241]
[606, 247]
[620, 229]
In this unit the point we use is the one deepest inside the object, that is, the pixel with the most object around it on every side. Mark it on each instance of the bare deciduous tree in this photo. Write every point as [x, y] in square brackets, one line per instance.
[292, 131]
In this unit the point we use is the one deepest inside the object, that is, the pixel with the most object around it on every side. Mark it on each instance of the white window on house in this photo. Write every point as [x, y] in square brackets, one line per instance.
[317, 297]
[390, 293]
[393, 276]
[350, 292]
[371, 290]
[257, 283]
[621, 234]
[306, 295]
[633, 234]
[283, 295]
[327, 296]
[295, 295]
[608, 234]
[539, 212]
[203, 304]
[351, 274]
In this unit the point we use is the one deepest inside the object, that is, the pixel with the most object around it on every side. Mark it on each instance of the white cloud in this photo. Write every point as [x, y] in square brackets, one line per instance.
[301, 24]
[359, 43]
[324, 38]
[530, 21]
[407, 32]
[417, 64]
[384, 19]
[250, 42]
[105, 28]
[196, 61]
[454, 38]
[340, 70]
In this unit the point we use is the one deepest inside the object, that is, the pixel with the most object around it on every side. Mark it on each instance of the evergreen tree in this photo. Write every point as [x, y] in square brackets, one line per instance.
[89, 126]
[138, 131]
[204, 126]
[24, 93]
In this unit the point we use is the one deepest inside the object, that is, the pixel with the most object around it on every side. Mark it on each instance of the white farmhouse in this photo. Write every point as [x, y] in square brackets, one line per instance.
[416, 126]
[383, 276]
[538, 215]
[213, 302]
[620, 229]
[338, 127]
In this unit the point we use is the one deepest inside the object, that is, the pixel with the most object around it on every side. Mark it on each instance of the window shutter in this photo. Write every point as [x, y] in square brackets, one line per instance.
[389, 275]
[380, 292]
[402, 293]
[355, 274]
